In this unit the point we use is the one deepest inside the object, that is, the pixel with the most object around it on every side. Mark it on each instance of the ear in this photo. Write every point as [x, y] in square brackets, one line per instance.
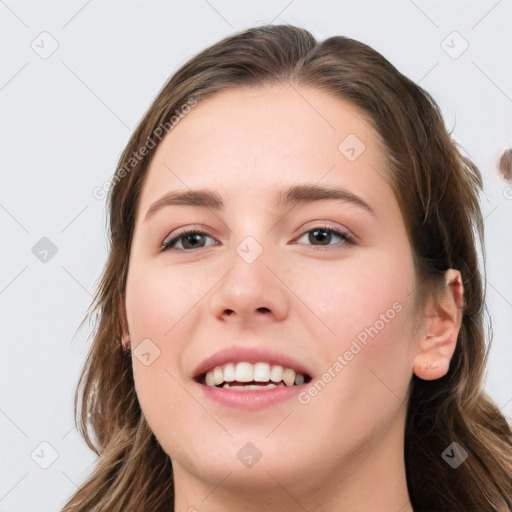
[125, 341]
[443, 317]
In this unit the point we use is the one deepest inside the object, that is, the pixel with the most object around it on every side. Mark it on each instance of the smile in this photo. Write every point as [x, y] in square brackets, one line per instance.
[244, 376]
[251, 377]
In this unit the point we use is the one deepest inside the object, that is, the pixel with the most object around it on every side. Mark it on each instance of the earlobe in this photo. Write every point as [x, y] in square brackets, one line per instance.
[443, 319]
[125, 340]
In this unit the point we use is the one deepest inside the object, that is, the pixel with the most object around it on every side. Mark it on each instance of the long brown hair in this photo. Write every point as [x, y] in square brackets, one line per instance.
[437, 189]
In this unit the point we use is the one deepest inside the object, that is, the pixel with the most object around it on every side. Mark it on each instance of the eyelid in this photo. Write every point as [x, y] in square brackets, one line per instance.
[325, 224]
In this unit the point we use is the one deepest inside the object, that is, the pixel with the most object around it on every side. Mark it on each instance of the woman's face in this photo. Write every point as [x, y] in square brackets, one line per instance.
[318, 280]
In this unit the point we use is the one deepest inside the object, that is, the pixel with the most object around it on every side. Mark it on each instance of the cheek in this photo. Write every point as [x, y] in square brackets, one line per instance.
[364, 385]
[367, 306]
[154, 305]
[161, 320]
[351, 297]
[157, 301]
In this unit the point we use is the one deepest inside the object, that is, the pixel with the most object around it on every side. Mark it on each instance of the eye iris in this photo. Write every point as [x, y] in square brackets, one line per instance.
[192, 237]
[322, 235]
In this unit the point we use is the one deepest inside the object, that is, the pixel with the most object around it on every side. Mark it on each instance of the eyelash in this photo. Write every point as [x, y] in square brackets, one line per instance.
[167, 245]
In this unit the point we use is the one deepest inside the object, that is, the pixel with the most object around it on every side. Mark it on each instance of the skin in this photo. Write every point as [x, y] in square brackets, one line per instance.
[344, 449]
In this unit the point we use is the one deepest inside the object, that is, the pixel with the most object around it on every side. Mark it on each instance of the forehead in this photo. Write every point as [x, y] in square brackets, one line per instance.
[259, 140]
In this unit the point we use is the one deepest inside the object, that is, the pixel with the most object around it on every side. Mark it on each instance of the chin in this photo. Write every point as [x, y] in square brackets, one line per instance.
[253, 465]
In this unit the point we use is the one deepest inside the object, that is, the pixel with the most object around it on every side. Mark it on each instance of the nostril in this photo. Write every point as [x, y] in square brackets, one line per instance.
[263, 310]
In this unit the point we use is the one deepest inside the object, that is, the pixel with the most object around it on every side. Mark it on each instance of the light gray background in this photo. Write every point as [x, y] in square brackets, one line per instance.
[66, 117]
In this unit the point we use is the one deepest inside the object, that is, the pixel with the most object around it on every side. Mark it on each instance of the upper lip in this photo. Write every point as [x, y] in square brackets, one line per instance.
[254, 354]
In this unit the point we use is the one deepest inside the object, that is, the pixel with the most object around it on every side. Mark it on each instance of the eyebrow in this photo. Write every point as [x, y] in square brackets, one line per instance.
[296, 194]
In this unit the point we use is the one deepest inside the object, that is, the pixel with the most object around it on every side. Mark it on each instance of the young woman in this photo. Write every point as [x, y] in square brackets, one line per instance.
[290, 317]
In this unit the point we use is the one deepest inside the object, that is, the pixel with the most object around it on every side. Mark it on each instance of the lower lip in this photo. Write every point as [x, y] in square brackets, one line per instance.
[253, 399]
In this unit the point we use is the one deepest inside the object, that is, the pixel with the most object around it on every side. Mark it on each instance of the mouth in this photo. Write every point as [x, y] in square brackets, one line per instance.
[251, 377]
[246, 376]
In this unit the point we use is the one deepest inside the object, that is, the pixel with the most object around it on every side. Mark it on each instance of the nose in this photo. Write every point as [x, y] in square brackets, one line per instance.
[250, 293]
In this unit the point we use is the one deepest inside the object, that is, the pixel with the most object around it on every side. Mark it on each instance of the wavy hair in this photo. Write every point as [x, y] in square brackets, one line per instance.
[437, 189]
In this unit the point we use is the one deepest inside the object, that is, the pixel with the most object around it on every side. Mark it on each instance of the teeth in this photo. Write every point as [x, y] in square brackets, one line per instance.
[244, 372]
[261, 372]
[218, 375]
[229, 372]
[276, 374]
[250, 386]
[222, 376]
[289, 376]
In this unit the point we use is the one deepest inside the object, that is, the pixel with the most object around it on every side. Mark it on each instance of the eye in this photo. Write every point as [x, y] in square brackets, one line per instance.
[189, 239]
[324, 235]
[193, 239]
